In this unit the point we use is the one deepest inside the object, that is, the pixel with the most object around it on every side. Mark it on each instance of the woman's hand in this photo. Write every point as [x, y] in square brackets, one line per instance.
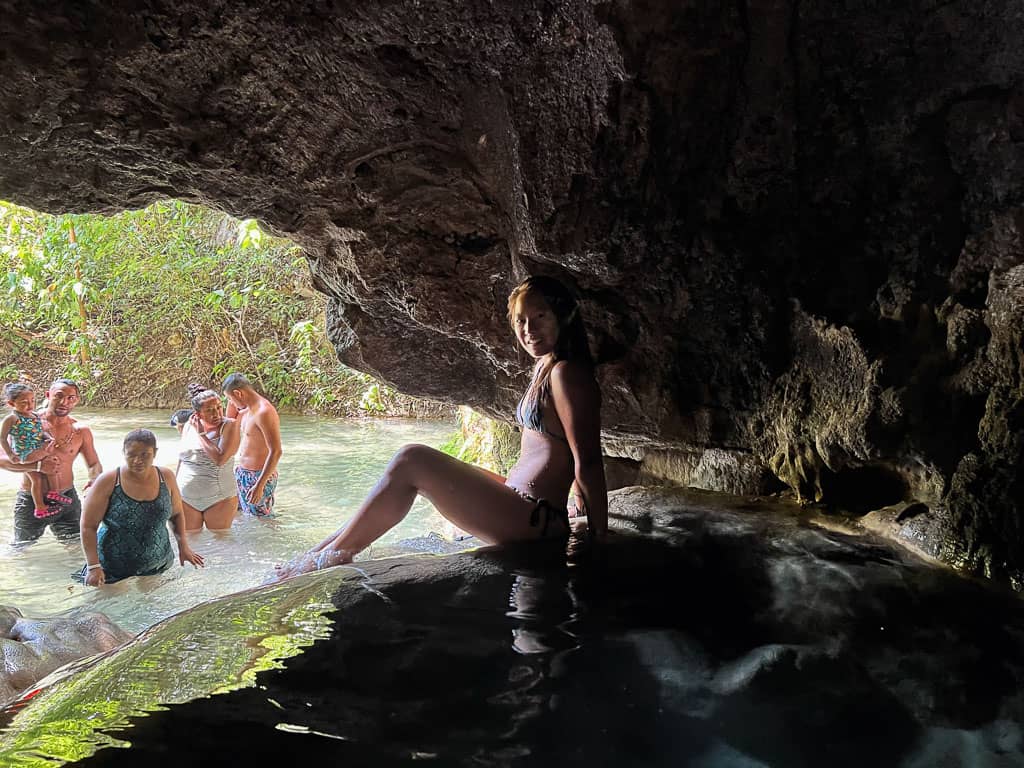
[186, 555]
[95, 577]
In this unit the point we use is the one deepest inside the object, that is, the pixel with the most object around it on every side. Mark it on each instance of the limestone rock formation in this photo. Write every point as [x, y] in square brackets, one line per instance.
[30, 649]
[795, 227]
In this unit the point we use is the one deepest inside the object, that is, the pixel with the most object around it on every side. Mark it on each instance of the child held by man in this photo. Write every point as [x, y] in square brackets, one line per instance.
[26, 442]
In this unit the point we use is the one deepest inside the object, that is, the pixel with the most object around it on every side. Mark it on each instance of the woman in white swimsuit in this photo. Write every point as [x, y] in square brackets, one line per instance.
[206, 463]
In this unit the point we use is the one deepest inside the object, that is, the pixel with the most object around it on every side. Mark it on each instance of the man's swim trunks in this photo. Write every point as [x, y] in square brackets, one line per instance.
[246, 479]
[64, 525]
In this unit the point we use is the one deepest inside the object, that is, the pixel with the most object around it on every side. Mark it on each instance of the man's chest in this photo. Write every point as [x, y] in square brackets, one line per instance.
[66, 439]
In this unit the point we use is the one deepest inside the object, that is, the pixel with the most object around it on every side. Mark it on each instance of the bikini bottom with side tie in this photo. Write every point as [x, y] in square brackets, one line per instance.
[542, 508]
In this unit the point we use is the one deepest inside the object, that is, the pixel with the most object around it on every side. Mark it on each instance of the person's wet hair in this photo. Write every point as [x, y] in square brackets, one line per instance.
[236, 381]
[572, 333]
[199, 394]
[181, 416]
[143, 436]
[16, 389]
[62, 382]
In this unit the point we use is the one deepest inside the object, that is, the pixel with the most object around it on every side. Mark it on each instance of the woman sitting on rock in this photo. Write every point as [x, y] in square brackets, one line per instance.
[561, 445]
[206, 463]
[124, 522]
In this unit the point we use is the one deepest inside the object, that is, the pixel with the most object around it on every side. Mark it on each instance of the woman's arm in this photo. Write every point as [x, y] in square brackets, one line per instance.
[577, 401]
[93, 511]
[185, 553]
[220, 452]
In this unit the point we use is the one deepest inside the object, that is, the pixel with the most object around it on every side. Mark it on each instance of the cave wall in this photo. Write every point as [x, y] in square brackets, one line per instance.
[795, 226]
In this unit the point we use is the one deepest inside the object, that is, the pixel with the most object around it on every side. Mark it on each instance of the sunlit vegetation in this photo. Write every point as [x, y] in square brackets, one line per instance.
[139, 304]
[490, 444]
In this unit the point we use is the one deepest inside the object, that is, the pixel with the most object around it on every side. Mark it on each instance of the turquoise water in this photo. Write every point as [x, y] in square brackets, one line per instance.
[328, 467]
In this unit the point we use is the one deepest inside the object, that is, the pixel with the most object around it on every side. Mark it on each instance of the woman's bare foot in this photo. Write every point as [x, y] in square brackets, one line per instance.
[312, 561]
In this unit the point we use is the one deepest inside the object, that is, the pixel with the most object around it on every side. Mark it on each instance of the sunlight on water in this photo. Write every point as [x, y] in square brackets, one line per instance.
[327, 469]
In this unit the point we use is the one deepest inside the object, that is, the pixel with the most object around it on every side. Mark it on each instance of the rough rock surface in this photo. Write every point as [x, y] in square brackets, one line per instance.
[795, 227]
[30, 649]
[726, 633]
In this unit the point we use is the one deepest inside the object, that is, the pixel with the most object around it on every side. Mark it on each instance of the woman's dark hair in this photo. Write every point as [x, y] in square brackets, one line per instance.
[572, 333]
[143, 436]
[199, 394]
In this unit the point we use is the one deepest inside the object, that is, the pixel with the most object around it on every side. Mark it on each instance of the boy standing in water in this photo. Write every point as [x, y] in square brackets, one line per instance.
[24, 440]
[260, 448]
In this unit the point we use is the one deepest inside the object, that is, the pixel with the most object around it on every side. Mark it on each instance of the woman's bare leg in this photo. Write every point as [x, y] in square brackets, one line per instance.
[475, 500]
[193, 517]
[220, 516]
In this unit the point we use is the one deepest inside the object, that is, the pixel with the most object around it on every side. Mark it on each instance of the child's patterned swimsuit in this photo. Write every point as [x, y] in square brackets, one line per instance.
[27, 435]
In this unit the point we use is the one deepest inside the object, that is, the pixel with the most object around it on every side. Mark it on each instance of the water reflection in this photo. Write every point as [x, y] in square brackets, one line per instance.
[207, 651]
[545, 611]
[715, 642]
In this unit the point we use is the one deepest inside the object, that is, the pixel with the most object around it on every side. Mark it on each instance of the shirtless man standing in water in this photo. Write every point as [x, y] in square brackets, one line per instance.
[260, 448]
[70, 439]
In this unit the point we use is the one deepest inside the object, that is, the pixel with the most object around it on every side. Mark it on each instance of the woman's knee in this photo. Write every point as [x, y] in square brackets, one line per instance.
[410, 459]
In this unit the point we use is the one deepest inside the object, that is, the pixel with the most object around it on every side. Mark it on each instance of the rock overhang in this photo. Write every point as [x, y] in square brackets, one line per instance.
[794, 229]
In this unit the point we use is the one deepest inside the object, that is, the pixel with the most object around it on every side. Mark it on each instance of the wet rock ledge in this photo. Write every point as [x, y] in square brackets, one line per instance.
[716, 631]
[795, 226]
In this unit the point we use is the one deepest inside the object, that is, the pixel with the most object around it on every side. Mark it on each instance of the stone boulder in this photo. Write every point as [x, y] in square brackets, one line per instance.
[30, 649]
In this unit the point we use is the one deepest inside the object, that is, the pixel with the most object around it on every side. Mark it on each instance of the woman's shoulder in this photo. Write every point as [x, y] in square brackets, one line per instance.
[573, 373]
[573, 383]
[105, 480]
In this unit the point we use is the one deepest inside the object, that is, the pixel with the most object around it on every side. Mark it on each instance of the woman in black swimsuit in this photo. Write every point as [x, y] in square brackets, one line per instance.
[561, 445]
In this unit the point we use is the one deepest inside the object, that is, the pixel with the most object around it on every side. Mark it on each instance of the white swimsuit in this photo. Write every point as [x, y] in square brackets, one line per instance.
[201, 481]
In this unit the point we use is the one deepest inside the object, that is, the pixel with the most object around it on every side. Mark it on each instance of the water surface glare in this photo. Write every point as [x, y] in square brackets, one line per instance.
[328, 467]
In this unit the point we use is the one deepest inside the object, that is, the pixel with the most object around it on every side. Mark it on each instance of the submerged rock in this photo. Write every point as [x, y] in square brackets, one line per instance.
[30, 649]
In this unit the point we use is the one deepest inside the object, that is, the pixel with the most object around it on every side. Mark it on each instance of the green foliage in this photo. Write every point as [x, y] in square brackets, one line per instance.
[141, 303]
[490, 444]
